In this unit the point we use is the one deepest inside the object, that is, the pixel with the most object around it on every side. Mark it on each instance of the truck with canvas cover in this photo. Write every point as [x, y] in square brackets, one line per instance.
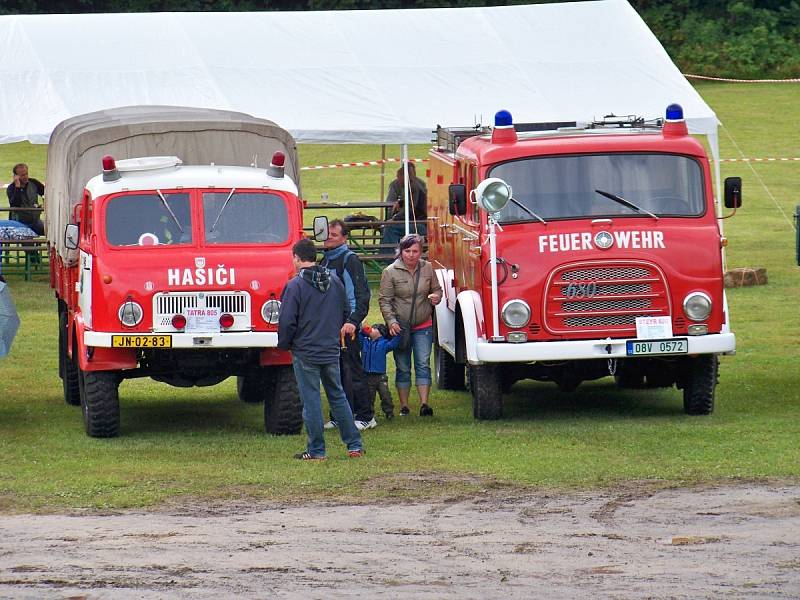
[170, 233]
[569, 252]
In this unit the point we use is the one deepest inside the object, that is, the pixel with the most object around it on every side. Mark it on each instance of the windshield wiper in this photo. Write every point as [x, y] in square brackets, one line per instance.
[528, 210]
[224, 204]
[627, 203]
[172, 214]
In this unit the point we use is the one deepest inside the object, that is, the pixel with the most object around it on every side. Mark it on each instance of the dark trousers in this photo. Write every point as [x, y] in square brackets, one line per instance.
[354, 381]
[379, 382]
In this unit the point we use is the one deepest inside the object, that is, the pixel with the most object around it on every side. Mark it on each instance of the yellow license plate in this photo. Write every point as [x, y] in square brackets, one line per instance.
[141, 341]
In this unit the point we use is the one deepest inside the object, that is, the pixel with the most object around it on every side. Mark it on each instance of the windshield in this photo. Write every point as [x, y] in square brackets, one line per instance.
[149, 219]
[565, 187]
[244, 217]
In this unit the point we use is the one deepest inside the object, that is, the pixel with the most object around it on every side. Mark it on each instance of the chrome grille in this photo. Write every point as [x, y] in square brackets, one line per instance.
[589, 299]
[168, 304]
[618, 289]
[605, 273]
[595, 305]
[606, 321]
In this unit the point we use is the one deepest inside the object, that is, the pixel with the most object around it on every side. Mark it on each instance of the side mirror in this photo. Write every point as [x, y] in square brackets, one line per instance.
[321, 228]
[733, 192]
[71, 236]
[457, 198]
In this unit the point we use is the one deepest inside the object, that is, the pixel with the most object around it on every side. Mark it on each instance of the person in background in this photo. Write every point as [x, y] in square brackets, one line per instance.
[417, 201]
[339, 258]
[395, 299]
[24, 192]
[313, 312]
[375, 344]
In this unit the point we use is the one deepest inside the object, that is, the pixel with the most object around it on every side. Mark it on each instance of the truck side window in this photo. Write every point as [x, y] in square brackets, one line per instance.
[472, 209]
[247, 217]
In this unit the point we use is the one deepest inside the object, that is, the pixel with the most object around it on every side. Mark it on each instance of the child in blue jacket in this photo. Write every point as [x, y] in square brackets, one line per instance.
[376, 343]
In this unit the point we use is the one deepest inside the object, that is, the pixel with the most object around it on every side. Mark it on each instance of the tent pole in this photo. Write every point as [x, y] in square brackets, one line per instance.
[383, 181]
[407, 185]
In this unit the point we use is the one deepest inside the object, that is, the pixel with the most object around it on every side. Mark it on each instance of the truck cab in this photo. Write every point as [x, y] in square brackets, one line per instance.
[571, 252]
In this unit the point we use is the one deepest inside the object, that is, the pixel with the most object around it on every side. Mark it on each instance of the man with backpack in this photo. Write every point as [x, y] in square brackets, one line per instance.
[339, 258]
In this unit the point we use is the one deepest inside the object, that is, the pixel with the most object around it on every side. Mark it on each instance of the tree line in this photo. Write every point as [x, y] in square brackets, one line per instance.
[747, 39]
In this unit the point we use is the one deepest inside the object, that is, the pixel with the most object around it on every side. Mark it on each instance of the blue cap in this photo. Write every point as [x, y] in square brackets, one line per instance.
[674, 112]
[502, 118]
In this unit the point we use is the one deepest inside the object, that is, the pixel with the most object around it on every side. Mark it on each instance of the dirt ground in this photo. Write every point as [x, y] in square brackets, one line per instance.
[635, 541]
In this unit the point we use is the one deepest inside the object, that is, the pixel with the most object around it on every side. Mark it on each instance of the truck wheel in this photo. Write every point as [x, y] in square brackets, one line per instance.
[254, 388]
[67, 366]
[700, 385]
[487, 393]
[449, 374]
[100, 402]
[283, 411]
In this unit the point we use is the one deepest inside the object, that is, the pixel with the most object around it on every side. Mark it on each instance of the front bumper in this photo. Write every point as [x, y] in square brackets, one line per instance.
[718, 343]
[232, 339]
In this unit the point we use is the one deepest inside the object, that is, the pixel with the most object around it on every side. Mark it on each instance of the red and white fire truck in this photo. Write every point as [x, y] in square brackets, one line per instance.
[172, 266]
[569, 252]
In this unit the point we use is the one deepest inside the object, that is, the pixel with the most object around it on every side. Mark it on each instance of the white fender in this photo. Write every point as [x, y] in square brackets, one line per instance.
[445, 312]
[471, 307]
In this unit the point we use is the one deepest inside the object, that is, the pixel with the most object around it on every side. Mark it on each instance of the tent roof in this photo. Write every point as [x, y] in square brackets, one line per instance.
[383, 76]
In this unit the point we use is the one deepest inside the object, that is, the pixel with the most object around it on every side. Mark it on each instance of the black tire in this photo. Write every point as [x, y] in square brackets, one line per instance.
[700, 385]
[283, 411]
[448, 373]
[487, 392]
[67, 367]
[100, 402]
[257, 386]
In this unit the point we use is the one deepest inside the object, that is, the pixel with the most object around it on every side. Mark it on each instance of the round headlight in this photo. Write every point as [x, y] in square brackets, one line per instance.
[130, 313]
[271, 311]
[697, 306]
[516, 313]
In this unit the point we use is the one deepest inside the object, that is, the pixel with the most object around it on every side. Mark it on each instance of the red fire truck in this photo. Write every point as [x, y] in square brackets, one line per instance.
[569, 252]
[171, 266]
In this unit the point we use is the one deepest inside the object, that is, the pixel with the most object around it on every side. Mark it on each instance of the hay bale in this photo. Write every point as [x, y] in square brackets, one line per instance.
[745, 276]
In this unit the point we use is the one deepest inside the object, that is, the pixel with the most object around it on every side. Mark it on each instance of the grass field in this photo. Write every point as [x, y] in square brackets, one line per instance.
[204, 442]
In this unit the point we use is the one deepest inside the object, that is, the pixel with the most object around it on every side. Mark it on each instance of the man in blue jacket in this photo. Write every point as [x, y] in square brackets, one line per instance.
[313, 312]
[339, 258]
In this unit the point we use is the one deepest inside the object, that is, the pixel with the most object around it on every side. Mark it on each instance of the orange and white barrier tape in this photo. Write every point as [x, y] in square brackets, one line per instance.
[725, 79]
[745, 160]
[367, 163]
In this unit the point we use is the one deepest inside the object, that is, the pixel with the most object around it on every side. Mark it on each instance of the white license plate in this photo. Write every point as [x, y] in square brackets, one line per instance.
[643, 347]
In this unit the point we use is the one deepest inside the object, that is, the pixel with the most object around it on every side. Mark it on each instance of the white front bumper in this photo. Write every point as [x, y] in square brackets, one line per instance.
[233, 339]
[718, 343]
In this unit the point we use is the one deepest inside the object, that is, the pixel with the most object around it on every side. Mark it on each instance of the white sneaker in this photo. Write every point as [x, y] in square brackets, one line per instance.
[330, 425]
[362, 425]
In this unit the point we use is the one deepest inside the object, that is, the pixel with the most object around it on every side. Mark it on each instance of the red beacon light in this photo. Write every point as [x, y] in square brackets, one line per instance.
[226, 320]
[276, 165]
[675, 124]
[110, 172]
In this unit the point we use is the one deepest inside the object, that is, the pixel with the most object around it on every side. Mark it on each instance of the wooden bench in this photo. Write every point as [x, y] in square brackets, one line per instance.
[26, 257]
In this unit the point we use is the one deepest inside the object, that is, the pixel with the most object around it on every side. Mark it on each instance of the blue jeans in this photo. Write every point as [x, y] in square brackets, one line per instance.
[421, 344]
[308, 377]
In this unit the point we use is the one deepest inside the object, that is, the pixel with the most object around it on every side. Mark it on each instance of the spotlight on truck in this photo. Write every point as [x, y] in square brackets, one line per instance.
[492, 195]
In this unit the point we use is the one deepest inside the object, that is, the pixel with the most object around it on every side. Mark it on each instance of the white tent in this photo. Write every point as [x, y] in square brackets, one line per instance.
[346, 76]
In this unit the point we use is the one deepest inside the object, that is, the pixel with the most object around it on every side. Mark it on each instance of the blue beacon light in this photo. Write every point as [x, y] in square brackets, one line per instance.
[674, 112]
[502, 118]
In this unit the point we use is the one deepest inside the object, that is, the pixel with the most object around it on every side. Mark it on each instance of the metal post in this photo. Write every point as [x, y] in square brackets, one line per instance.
[493, 270]
[407, 185]
[797, 233]
[383, 182]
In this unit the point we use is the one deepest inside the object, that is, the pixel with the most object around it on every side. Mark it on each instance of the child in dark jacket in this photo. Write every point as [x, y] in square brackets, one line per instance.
[375, 345]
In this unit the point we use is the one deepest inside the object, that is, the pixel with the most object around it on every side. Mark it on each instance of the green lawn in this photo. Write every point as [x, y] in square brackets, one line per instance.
[204, 442]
